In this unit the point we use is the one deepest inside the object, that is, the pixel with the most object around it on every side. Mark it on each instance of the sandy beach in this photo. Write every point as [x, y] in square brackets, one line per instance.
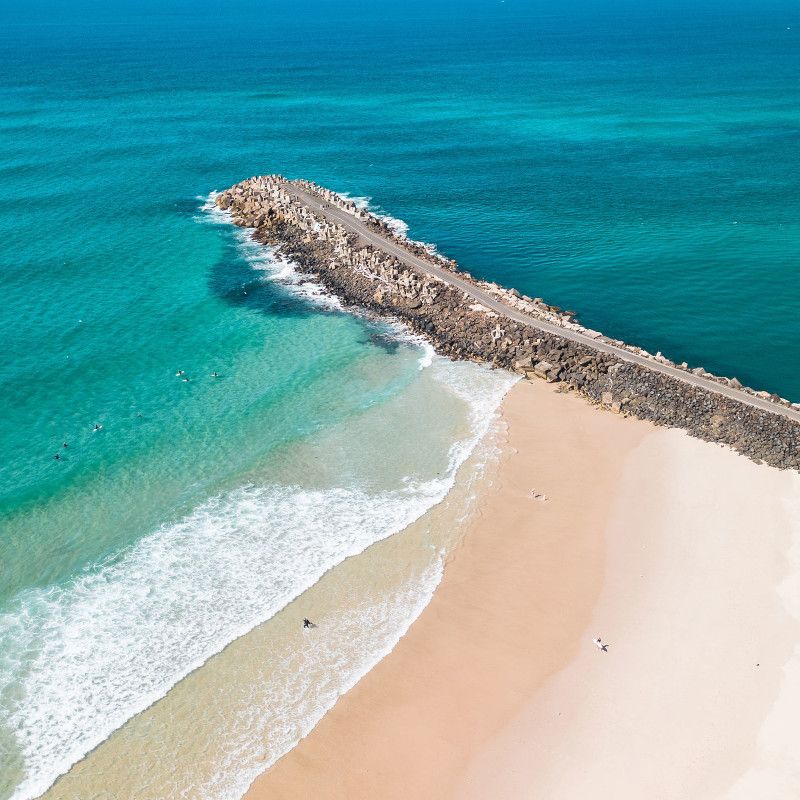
[680, 554]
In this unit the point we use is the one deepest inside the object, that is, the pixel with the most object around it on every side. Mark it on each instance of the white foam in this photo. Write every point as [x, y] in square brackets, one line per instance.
[211, 211]
[360, 637]
[426, 359]
[400, 332]
[284, 272]
[265, 259]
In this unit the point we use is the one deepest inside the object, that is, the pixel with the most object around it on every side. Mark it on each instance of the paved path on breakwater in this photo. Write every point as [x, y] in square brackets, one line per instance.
[335, 214]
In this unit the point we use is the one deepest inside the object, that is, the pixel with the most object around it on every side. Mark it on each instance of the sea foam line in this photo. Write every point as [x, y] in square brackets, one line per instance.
[361, 636]
[267, 260]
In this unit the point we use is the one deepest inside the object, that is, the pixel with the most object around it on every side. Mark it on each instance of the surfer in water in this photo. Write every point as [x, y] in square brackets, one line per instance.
[97, 427]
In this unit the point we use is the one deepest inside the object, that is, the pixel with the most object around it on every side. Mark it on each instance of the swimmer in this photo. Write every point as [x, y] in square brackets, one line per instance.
[57, 457]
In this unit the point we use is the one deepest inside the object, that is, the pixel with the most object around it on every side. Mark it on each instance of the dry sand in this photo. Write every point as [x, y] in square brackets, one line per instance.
[677, 552]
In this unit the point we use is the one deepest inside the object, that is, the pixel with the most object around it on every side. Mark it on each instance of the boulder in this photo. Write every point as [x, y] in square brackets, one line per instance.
[541, 368]
[525, 363]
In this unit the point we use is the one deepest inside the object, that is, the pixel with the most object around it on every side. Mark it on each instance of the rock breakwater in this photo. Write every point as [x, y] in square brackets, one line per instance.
[304, 223]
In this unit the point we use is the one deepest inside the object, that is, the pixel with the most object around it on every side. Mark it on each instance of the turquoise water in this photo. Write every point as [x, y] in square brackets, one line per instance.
[639, 168]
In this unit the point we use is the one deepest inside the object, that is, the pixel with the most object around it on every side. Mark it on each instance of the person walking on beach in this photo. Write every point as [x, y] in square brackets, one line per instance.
[600, 645]
[307, 623]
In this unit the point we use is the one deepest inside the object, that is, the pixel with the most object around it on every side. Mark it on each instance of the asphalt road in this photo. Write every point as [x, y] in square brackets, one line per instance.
[332, 213]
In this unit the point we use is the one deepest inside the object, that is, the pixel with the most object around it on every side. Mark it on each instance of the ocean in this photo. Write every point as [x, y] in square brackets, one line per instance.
[636, 165]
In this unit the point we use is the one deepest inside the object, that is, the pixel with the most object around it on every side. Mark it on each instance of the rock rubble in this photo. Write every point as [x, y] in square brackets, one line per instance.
[457, 326]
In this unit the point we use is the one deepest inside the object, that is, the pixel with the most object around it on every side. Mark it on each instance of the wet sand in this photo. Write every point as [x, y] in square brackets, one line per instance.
[675, 551]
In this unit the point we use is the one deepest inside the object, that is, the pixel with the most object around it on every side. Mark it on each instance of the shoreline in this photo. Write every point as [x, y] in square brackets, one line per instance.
[466, 707]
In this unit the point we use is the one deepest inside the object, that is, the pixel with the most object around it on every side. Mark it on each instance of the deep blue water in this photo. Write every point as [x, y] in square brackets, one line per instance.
[639, 166]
